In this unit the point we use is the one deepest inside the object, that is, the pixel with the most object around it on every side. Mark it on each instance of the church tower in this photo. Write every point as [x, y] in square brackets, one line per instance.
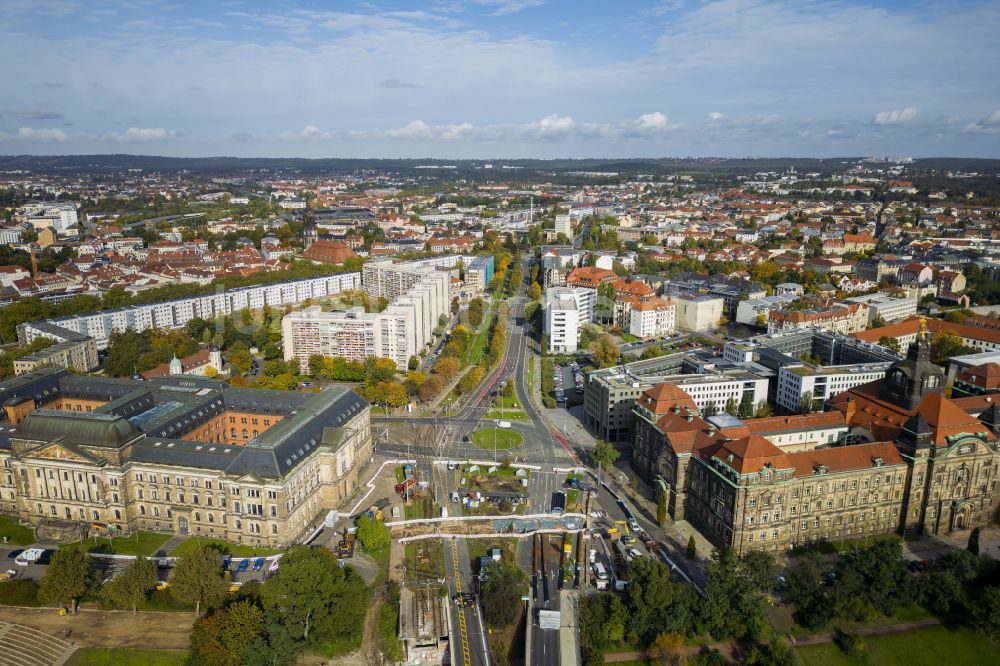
[910, 380]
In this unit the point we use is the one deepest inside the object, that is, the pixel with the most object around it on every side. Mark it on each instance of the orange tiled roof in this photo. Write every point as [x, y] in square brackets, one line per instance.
[844, 458]
[911, 326]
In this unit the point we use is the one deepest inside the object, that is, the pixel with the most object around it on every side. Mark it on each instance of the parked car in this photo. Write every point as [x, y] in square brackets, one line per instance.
[258, 564]
[243, 566]
[14, 553]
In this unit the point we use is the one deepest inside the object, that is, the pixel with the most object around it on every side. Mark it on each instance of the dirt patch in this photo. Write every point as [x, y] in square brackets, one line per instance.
[112, 629]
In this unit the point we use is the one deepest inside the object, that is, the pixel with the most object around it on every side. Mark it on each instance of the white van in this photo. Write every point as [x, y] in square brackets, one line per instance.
[454, 496]
[503, 424]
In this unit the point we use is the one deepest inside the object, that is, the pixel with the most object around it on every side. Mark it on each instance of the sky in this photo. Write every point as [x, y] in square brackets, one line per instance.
[495, 79]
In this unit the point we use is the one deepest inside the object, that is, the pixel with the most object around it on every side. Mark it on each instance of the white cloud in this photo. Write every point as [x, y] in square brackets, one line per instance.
[897, 117]
[715, 115]
[44, 135]
[416, 129]
[552, 127]
[988, 125]
[505, 7]
[140, 135]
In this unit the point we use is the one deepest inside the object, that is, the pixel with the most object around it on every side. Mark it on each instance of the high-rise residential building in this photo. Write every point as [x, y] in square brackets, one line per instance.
[566, 310]
[418, 296]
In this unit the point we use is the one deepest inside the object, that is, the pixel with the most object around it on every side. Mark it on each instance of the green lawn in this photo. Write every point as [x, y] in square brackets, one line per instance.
[140, 543]
[506, 414]
[480, 547]
[16, 534]
[627, 337]
[931, 646]
[505, 439]
[123, 657]
[233, 549]
[475, 350]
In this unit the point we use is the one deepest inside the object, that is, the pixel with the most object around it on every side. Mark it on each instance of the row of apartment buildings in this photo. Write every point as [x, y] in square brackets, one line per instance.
[418, 297]
[176, 313]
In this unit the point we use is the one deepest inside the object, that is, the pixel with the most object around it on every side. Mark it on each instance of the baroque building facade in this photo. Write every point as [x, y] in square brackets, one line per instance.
[922, 463]
[182, 455]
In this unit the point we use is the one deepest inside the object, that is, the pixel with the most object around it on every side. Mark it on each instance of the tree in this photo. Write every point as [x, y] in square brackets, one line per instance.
[413, 363]
[241, 360]
[132, 586]
[973, 546]
[711, 409]
[230, 636]
[692, 548]
[535, 291]
[373, 534]
[763, 410]
[745, 410]
[446, 367]
[199, 578]
[806, 405]
[430, 388]
[987, 612]
[649, 597]
[605, 351]
[891, 344]
[503, 585]
[604, 454]
[878, 321]
[731, 407]
[68, 577]
[313, 600]
[667, 648]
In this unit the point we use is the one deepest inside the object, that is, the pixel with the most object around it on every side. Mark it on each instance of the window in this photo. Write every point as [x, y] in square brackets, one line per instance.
[142, 510]
[156, 511]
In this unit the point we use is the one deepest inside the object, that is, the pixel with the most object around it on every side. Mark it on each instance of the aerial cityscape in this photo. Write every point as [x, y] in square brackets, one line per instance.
[499, 332]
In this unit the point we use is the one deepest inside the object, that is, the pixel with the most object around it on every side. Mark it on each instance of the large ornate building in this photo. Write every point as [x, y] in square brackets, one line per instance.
[182, 454]
[893, 455]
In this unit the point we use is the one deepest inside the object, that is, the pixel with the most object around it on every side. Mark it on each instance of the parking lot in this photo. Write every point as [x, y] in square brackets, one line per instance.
[568, 380]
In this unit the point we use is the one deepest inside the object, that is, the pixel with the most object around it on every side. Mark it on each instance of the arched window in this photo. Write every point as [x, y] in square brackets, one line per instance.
[211, 518]
[156, 511]
[197, 517]
[142, 510]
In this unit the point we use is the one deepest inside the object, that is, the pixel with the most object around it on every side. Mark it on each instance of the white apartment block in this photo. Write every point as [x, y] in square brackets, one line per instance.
[177, 313]
[566, 310]
[564, 225]
[353, 334]
[653, 318]
[823, 383]
[888, 307]
[10, 236]
[418, 296]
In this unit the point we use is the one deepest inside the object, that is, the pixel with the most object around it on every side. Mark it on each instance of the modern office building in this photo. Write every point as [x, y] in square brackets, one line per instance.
[821, 383]
[191, 456]
[887, 307]
[566, 310]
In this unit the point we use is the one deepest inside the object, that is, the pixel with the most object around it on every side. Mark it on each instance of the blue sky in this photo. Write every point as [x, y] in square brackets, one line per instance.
[501, 78]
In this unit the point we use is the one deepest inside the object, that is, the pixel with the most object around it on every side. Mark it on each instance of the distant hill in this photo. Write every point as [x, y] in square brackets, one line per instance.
[208, 165]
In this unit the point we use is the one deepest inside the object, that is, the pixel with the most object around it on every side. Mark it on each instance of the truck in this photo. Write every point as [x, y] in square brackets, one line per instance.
[549, 619]
[408, 484]
[558, 502]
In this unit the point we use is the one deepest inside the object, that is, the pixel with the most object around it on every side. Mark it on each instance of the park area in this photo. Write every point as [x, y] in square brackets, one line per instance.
[499, 438]
[919, 647]
[13, 533]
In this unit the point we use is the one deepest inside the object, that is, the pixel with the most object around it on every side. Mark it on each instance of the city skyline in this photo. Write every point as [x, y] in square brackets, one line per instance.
[501, 79]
